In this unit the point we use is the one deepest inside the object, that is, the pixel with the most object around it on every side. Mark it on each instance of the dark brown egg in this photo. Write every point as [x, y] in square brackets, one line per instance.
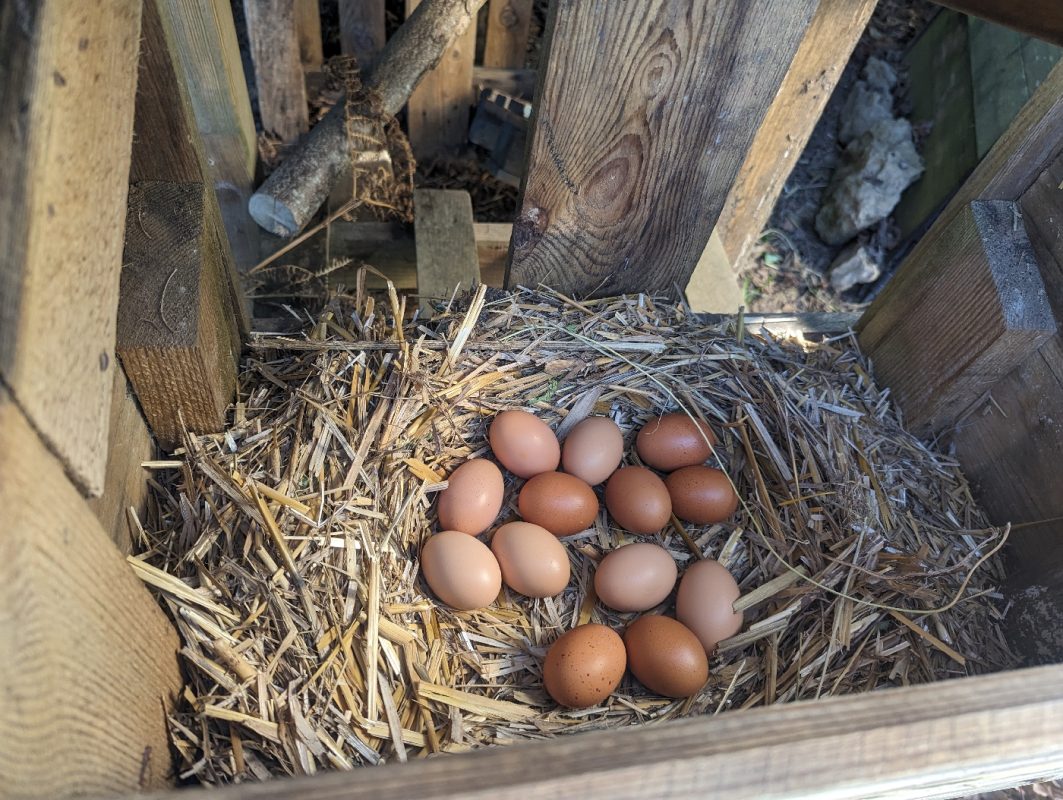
[702, 495]
[666, 656]
[563, 504]
[638, 500]
[593, 450]
[673, 441]
[524, 443]
[584, 666]
[705, 602]
[473, 498]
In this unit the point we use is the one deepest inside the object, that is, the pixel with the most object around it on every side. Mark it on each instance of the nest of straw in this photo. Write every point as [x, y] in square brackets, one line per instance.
[286, 548]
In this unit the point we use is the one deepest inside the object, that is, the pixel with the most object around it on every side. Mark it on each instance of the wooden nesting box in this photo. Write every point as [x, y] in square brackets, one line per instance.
[645, 115]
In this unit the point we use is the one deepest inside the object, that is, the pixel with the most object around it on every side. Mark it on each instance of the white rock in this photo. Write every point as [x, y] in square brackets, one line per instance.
[854, 265]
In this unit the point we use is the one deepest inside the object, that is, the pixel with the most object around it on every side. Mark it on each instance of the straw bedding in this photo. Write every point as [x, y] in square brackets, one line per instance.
[286, 548]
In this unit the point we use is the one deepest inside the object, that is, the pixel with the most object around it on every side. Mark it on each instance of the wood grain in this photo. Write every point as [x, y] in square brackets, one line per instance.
[1040, 18]
[308, 32]
[67, 99]
[362, 30]
[446, 243]
[271, 30]
[939, 741]
[89, 661]
[644, 115]
[438, 110]
[976, 308]
[508, 22]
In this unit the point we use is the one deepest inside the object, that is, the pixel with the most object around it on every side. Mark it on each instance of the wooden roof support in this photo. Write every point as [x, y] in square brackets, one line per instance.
[1042, 19]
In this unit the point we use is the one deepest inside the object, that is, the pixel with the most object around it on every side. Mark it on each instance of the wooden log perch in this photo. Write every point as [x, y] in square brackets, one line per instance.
[297, 188]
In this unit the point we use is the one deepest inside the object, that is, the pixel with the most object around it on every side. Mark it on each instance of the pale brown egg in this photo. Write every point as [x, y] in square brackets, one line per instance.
[638, 500]
[704, 603]
[673, 441]
[593, 450]
[473, 499]
[665, 656]
[461, 570]
[584, 666]
[561, 503]
[533, 561]
[702, 495]
[524, 443]
[635, 577]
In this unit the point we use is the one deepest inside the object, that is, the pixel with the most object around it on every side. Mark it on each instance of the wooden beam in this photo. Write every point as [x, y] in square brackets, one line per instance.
[362, 30]
[308, 32]
[713, 286]
[1042, 19]
[508, 22]
[975, 309]
[271, 31]
[514, 82]
[643, 118]
[941, 740]
[438, 110]
[89, 668]
[446, 244]
[67, 96]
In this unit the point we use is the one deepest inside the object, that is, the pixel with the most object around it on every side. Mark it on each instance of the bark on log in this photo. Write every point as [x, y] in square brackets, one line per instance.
[297, 188]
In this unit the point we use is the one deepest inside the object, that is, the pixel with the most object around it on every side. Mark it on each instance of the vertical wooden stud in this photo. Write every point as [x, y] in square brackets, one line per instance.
[362, 31]
[308, 31]
[446, 243]
[508, 22]
[271, 30]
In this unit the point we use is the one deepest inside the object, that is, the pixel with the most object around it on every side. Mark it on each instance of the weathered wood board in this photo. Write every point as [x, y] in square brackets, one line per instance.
[1040, 18]
[508, 23]
[362, 30]
[273, 34]
[446, 243]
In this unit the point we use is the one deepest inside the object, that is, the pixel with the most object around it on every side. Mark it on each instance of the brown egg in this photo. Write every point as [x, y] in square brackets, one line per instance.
[524, 443]
[673, 441]
[473, 499]
[666, 656]
[701, 495]
[638, 500]
[461, 570]
[593, 450]
[533, 562]
[584, 666]
[635, 577]
[704, 603]
[563, 504]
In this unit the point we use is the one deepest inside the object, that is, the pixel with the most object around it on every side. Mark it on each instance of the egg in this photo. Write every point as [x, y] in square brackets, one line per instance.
[584, 666]
[473, 499]
[524, 443]
[638, 500]
[702, 495]
[593, 450]
[563, 504]
[635, 577]
[665, 656]
[461, 570]
[704, 603]
[673, 441]
[533, 562]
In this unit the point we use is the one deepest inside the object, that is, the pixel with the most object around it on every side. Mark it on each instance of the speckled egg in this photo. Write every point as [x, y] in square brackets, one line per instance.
[704, 602]
[524, 443]
[635, 577]
[584, 666]
[533, 561]
[638, 500]
[561, 503]
[665, 656]
[461, 570]
[702, 495]
[593, 450]
[473, 498]
[673, 441]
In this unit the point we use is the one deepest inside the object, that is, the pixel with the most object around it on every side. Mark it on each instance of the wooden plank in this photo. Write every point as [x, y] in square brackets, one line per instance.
[362, 30]
[271, 31]
[89, 663]
[67, 98]
[976, 308]
[446, 243]
[816, 69]
[1040, 18]
[713, 286]
[177, 334]
[943, 740]
[438, 111]
[514, 82]
[643, 118]
[508, 22]
[308, 32]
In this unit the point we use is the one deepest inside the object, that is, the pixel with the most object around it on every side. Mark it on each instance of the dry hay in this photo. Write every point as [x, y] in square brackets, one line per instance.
[286, 548]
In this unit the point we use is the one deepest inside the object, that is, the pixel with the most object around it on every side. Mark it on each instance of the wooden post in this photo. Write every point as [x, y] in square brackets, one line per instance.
[1040, 18]
[271, 30]
[508, 22]
[438, 111]
[362, 32]
[67, 97]
[308, 32]
[644, 115]
[446, 244]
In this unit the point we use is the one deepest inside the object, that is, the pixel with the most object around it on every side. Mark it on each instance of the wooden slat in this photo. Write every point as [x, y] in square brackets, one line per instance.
[446, 243]
[89, 664]
[438, 111]
[271, 30]
[514, 82]
[713, 286]
[508, 22]
[940, 741]
[66, 98]
[644, 115]
[308, 32]
[975, 309]
[1040, 18]
[362, 30]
